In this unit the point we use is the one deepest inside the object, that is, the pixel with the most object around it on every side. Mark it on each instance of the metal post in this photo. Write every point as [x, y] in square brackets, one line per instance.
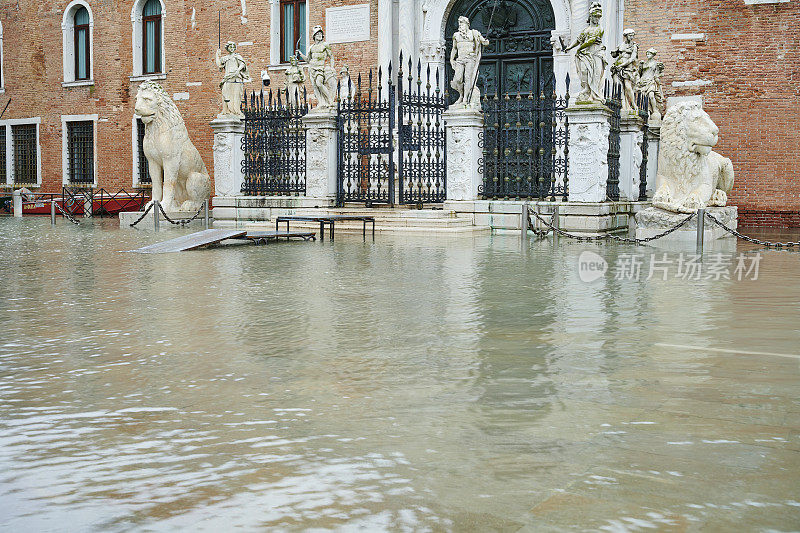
[701, 217]
[205, 206]
[556, 221]
[52, 212]
[524, 220]
[156, 204]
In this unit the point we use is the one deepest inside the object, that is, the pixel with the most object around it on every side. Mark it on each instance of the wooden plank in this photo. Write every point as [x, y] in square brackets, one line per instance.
[192, 241]
[278, 234]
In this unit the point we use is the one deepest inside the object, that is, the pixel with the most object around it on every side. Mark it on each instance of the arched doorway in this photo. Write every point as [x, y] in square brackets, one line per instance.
[519, 56]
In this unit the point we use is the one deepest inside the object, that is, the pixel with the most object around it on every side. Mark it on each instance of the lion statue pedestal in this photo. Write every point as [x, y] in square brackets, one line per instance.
[652, 221]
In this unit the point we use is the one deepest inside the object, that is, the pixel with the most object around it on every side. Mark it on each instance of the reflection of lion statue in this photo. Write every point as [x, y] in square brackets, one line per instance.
[185, 183]
[690, 175]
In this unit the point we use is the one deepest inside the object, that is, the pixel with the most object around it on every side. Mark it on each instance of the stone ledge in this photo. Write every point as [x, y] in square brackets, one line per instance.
[126, 218]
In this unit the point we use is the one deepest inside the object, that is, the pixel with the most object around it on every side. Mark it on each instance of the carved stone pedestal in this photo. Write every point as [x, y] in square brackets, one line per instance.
[653, 144]
[464, 128]
[653, 221]
[631, 137]
[228, 155]
[589, 129]
[321, 158]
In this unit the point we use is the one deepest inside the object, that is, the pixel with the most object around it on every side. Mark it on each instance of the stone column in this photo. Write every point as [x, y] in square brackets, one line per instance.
[228, 156]
[385, 33]
[630, 155]
[589, 129]
[653, 144]
[463, 129]
[322, 139]
[17, 202]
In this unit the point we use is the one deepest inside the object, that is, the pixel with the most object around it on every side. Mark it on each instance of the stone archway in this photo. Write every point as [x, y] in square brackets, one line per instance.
[519, 58]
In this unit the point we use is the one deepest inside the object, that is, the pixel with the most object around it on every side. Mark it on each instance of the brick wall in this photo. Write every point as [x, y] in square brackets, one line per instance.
[33, 71]
[750, 54]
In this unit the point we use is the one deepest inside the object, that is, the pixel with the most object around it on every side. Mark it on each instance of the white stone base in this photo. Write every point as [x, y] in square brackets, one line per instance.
[652, 221]
[126, 218]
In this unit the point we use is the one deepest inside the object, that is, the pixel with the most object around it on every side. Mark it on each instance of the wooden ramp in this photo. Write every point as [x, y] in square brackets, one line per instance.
[192, 241]
[261, 237]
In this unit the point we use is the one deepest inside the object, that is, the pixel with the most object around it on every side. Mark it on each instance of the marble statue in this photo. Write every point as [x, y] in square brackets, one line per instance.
[179, 176]
[625, 70]
[233, 80]
[294, 80]
[649, 85]
[347, 89]
[465, 58]
[690, 175]
[322, 75]
[590, 59]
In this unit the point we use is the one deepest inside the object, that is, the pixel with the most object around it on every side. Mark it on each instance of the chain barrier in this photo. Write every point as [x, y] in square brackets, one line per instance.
[541, 233]
[180, 221]
[143, 215]
[769, 244]
[65, 214]
[612, 237]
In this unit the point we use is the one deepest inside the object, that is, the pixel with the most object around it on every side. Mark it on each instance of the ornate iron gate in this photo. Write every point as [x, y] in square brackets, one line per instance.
[613, 96]
[274, 144]
[525, 141]
[366, 149]
[422, 169]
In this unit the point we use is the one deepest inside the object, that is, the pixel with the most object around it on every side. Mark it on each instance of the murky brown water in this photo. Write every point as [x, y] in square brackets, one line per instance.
[412, 384]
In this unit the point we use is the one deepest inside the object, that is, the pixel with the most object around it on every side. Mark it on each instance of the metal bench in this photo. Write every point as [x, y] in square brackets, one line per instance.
[330, 220]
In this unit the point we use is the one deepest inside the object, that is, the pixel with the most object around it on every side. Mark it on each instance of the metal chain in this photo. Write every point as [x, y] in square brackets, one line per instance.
[613, 237]
[541, 234]
[65, 214]
[752, 239]
[180, 221]
[149, 207]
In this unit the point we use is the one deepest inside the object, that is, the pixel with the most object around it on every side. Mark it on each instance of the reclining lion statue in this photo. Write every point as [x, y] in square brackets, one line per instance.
[690, 175]
[179, 175]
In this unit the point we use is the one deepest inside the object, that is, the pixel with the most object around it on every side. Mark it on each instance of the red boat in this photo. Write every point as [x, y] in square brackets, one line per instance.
[73, 202]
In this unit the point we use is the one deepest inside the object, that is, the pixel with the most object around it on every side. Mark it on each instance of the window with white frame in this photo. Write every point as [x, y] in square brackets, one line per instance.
[288, 30]
[77, 34]
[20, 155]
[79, 146]
[147, 17]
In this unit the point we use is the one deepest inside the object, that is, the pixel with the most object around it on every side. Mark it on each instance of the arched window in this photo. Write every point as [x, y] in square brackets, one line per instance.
[77, 27]
[151, 37]
[82, 52]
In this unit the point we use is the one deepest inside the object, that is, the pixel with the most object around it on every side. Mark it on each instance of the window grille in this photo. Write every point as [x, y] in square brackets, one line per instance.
[151, 38]
[25, 153]
[80, 152]
[293, 28]
[2, 155]
[144, 170]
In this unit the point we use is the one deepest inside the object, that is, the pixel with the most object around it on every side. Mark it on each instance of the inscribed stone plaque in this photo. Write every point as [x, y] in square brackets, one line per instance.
[347, 24]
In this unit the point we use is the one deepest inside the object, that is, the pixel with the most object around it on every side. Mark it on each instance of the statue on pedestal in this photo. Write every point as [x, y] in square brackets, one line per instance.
[233, 80]
[465, 58]
[322, 75]
[294, 80]
[650, 86]
[590, 58]
[626, 70]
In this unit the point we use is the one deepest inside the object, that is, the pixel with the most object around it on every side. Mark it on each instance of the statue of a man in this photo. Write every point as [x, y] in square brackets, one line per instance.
[465, 58]
[590, 57]
[322, 75]
[649, 85]
[233, 79]
[626, 70]
[294, 80]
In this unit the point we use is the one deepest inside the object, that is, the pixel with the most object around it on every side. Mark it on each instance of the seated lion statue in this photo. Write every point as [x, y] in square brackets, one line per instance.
[690, 175]
[179, 175]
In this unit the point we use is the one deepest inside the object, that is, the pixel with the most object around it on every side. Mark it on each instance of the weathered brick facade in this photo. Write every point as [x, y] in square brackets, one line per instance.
[744, 60]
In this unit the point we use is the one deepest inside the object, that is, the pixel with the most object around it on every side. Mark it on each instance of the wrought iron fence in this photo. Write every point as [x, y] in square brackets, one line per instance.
[525, 138]
[644, 114]
[144, 168]
[274, 144]
[366, 118]
[422, 167]
[613, 100]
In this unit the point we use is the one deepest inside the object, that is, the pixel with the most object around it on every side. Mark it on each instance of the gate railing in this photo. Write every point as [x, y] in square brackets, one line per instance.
[274, 143]
[366, 118]
[525, 138]
[613, 100]
[422, 168]
[644, 114]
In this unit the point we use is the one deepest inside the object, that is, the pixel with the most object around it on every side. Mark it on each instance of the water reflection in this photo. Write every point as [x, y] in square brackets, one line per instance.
[415, 383]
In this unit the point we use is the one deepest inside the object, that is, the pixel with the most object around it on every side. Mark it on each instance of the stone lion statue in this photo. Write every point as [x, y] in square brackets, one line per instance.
[180, 178]
[690, 175]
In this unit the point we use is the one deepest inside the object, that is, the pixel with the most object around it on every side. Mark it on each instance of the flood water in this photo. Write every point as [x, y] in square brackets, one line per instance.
[417, 383]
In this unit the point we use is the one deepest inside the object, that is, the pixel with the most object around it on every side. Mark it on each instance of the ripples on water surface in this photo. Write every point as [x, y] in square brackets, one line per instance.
[414, 383]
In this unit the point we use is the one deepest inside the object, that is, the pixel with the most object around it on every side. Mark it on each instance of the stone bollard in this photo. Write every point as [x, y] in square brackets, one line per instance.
[17, 203]
[52, 212]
